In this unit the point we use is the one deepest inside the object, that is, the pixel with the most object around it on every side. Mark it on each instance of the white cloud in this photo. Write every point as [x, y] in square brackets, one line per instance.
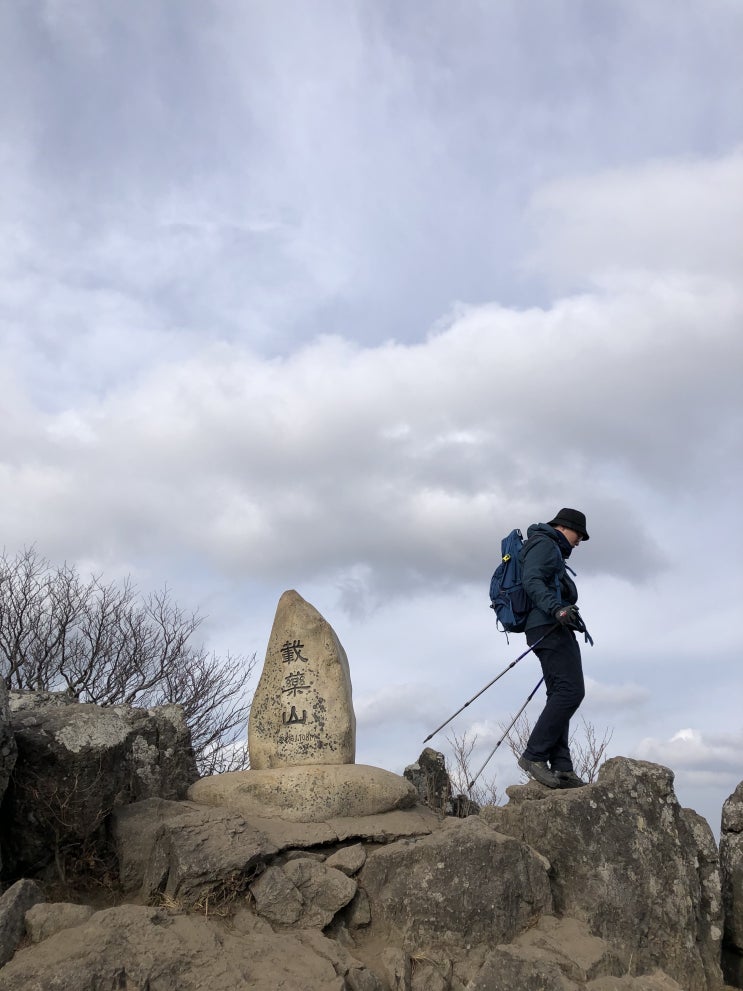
[672, 217]
[396, 704]
[615, 697]
[398, 458]
[695, 752]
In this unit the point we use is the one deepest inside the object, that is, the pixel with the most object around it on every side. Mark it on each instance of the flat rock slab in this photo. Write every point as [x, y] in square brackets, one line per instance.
[569, 944]
[384, 828]
[312, 793]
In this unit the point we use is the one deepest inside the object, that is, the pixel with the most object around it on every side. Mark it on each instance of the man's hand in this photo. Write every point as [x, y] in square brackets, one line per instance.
[567, 616]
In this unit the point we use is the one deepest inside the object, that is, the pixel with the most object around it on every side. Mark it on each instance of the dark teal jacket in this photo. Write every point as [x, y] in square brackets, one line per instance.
[544, 574]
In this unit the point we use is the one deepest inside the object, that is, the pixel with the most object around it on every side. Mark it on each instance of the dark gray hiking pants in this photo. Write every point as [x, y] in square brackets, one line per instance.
[559, 655]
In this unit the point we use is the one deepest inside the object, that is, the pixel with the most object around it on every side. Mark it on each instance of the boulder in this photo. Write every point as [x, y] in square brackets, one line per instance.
[48, 918]
[514, 968]
[188, 853]
[357, 977]
[464, 884]
[311, 793]
[628, 861]
[14, 903]
[134, 946]
[302, 711]
[349, 859]
[580, 956]
[657, 981]
[77, 762]
[134, 829]
[303, 894]
[731, 868]
[431, 780]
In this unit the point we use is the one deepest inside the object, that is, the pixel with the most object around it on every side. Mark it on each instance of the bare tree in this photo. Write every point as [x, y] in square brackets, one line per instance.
[104, 643]
[588, 750]
[484, 791]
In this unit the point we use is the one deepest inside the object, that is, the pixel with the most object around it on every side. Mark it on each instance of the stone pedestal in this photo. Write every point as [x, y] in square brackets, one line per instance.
[308, 793]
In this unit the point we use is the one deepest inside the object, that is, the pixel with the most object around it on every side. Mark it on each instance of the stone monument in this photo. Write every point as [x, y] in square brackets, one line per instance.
[302, 734]
[302, 711]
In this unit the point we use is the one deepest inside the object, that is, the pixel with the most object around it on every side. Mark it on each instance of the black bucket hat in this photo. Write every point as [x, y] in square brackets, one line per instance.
[573, 519]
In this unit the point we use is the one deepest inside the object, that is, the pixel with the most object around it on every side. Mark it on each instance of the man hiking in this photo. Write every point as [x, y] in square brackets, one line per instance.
[554, 617]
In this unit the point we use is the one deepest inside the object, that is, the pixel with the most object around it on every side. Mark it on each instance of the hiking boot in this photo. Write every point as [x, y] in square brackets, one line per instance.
[569, 779]
[538, 770]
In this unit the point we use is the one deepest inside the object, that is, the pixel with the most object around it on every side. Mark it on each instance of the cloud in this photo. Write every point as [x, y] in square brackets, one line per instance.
[695, 753]
[674, 217]
[397, 704]
[387, 464]
[215, 175]
[615, 697]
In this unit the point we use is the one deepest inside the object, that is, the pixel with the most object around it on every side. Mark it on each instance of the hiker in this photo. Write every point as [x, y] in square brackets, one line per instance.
[553, 597]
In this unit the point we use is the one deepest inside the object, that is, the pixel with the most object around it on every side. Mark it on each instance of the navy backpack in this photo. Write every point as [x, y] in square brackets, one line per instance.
[507, 596]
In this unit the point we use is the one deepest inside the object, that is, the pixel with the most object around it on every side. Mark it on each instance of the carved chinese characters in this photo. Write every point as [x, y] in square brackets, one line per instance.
[302, 711]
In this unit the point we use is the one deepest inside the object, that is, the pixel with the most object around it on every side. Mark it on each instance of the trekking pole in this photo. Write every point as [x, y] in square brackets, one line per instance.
[504, 671]
[471, 785]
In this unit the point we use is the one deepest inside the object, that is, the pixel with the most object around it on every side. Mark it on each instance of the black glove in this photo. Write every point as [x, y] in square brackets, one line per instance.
[568, 616]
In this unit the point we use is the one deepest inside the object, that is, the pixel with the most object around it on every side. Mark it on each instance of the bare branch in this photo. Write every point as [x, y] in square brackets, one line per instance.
[484, 791]
[588, 751]
[104, 643]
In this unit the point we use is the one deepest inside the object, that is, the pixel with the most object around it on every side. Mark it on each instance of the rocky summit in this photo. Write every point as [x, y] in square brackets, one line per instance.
[613, 886]
[120, 871]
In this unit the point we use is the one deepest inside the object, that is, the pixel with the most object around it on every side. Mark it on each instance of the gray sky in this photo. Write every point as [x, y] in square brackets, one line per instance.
[330, 296]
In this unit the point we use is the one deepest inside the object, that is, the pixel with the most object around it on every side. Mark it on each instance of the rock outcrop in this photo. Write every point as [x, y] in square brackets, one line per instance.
[77, 762]
[630, 862]
[430, 778]
[731, 868]
[603, 888]
[8, 748]
[190, 852]
[314, 873]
